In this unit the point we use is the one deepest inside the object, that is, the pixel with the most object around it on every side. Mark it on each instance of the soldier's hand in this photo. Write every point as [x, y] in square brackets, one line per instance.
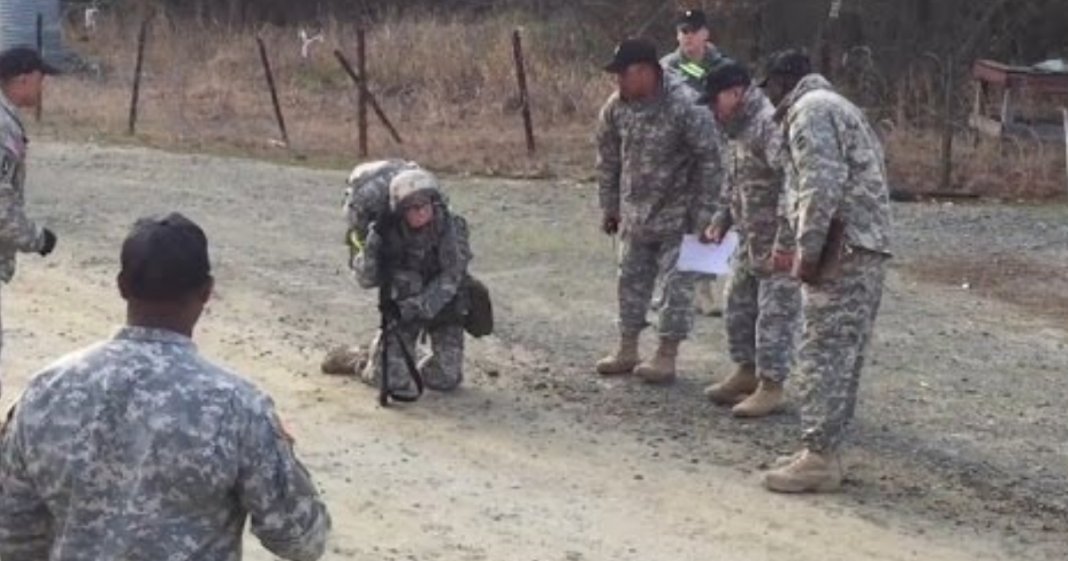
[610, 223]
[49, 242]
[782, 261]
[713, 234]
[409, 310]
[806, 270]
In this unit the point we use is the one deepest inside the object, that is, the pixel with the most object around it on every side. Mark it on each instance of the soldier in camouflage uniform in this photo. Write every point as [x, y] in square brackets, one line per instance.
[659, 159]
[426, 251]
[366, 199]
[836, 173]
[762, 304]
[21, 81]
[692, 62]
[138, 448]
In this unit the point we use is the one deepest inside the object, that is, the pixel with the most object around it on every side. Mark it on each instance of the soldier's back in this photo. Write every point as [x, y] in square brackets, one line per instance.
[135, 447]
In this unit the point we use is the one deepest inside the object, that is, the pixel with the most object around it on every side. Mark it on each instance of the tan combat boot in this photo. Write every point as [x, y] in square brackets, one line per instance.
[661, 369]
[344, 361]
[767, 399]
[783, 461]
[736, 387]
[623, 361]
[809, 473]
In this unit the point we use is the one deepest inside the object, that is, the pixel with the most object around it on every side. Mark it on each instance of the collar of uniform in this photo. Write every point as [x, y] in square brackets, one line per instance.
[711, 55]
[9, 108]
[153, 335]
[806, 85]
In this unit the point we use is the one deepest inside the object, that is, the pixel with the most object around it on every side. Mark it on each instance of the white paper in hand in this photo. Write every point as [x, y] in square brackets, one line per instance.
[697, 257]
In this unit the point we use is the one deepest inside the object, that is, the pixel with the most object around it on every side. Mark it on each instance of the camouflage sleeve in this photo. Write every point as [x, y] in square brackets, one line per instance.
[364, 264]
[723, 218]
[821, 178]
[454, 254]
[706, 142]
[276, 490]
[25, 523]
[609, 158]
[16, 230]
[770, 138]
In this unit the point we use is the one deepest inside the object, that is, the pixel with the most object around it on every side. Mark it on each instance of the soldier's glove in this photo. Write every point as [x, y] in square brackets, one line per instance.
[49, 242]
[409, 310]
[610, 223]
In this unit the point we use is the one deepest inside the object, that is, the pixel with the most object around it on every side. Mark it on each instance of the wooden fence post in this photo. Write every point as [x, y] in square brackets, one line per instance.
[40, 52]
[142, 37]
[361, 112]
[524, 95]
[1064, 111]
[360, 83]
[947, 130]
[274, 91]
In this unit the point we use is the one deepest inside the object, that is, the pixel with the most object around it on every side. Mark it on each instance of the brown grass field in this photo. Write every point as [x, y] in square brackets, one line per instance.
[450, 88]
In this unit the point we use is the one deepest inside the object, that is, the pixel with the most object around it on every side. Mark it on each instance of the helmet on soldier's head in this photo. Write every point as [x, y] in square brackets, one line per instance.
[410, 183]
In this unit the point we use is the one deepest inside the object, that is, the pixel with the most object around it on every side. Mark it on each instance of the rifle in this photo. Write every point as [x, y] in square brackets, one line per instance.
[391, 319]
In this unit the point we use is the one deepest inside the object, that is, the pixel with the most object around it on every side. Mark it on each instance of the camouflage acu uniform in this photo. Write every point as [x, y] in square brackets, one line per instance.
[140, 449]
[428, 268]
[762, 305]
[17, 232]
[693, 73]
[661, 170]
[836, 171]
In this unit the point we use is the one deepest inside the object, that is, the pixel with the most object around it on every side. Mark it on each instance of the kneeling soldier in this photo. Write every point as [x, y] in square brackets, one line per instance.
[421, 250]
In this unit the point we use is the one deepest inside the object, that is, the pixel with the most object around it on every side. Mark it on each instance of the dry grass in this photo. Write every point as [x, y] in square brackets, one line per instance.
[1012, 169]
[450, 88]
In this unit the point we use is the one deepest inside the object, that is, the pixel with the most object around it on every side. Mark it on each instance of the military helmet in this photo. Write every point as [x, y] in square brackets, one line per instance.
[410, 183]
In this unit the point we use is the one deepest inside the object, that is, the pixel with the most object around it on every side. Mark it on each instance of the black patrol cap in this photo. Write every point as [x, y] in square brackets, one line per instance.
[165, 258]
[633, 51]
[727, 74]
[692, 20]
[17, 61]
[792, 63]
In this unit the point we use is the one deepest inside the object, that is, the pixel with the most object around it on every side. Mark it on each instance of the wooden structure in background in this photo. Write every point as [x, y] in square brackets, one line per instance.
[1022, 102]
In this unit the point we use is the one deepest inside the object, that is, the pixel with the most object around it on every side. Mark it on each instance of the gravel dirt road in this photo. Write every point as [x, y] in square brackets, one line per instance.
[960, 450]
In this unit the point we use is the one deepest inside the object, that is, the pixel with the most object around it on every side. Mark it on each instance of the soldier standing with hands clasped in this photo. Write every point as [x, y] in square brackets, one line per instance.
[660, 167]
[836, 173]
